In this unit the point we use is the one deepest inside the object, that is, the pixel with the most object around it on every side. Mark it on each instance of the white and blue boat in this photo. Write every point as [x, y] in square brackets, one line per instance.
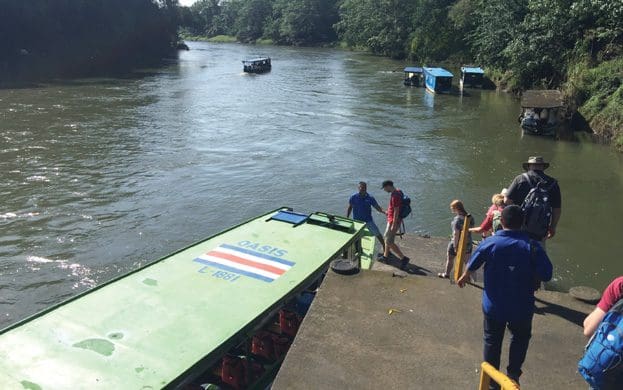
[471, 77]
[413, 76]
[438, 80]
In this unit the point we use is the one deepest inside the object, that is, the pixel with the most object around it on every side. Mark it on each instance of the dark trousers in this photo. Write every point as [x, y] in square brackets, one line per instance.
[521, 331]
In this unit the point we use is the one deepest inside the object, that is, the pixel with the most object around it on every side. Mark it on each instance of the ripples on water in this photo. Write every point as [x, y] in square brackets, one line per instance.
[100, 176]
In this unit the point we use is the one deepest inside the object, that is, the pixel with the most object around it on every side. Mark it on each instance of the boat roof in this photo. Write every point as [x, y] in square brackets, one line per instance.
[438, 72]
[413, 69]
[547, 98]
[472, 69]
[155, 326]
[257, 59]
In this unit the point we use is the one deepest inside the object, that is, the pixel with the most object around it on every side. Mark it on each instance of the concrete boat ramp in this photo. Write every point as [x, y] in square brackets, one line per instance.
[381, 330]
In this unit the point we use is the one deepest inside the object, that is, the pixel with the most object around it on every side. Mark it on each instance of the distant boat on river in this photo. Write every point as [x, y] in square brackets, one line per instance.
[257, 65]
[438, 80]
[413, 76]
[541, 112]
[471, 76]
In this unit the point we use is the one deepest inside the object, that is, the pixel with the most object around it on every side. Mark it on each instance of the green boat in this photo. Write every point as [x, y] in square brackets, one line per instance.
[173, 323]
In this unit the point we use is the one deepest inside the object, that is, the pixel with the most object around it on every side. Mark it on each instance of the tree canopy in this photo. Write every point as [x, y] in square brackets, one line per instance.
[78, 37]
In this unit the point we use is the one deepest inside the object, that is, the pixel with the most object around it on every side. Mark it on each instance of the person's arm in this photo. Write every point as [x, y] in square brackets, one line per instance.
[512, 191]
[397, 204]
[544, 268]
[396, 221]
[592, 321]
[377, 207]
[477, 260]
[476, 229]
[348, 210]
[456, 234]
[556, 213]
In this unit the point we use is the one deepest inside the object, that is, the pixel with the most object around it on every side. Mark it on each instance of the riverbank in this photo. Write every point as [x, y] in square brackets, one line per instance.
[424, 331]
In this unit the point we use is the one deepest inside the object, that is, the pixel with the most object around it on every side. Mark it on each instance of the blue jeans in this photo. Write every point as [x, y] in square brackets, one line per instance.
[521, 331]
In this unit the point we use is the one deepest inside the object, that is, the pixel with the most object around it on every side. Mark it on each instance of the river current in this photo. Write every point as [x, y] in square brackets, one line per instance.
[100, 176]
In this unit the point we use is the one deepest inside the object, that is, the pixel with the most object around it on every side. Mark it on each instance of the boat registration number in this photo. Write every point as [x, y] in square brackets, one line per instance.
[227, 276]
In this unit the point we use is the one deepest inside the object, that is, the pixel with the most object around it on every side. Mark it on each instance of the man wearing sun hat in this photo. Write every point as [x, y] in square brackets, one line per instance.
[535, 175]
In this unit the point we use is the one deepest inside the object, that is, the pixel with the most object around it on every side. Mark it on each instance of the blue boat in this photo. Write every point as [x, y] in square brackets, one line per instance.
[413, 76]
[438, 80]
[471, 76]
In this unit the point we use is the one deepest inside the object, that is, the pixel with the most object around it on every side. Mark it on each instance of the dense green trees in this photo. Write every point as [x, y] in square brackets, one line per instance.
[79, 37]
[573, 44]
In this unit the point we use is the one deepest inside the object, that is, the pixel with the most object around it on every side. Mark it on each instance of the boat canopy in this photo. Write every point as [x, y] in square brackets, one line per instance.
[162, 324]
[547, 98]
[438, 72]
[472, 69]
[413, 69]
[259, 59]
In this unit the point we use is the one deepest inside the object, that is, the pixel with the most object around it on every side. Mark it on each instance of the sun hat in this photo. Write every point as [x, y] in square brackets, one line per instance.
[538, 160]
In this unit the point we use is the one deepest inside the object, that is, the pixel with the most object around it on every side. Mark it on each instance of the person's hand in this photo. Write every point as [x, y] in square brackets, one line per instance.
[463, 279]
[551, 232]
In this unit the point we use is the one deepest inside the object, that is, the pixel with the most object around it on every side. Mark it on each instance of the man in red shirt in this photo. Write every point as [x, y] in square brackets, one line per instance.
[612, 294]
[393, 225]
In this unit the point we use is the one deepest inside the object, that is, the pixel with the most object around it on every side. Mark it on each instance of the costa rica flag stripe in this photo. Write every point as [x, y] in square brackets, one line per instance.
[245, 262]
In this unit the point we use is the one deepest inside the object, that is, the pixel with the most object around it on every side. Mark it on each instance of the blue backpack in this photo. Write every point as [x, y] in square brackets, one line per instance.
[405, 209]
[602, 363]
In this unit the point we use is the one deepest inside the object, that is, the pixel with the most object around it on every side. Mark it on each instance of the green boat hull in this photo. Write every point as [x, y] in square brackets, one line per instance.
[165, 323]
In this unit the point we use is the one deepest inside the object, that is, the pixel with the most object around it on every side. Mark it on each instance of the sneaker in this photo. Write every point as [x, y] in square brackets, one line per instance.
[404, 263]
[382, 259]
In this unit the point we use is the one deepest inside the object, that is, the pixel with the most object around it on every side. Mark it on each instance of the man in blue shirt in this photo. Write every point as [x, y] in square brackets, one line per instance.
[514, 266]
[361, 203]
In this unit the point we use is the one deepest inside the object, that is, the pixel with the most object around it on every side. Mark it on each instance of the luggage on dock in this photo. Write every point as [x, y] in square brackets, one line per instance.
[602, 363]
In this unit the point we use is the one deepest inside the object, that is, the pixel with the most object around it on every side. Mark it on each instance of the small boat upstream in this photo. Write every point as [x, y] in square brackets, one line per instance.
[541, 112]
[219, 314]
[438, 80]
[471, 77]
[257, 65]
[413, 76]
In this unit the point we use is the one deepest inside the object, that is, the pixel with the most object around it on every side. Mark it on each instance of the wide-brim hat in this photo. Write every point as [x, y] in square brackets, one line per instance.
[538, 160]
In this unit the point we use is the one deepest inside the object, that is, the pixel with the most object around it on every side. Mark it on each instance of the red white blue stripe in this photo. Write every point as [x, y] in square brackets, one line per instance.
[245, 262]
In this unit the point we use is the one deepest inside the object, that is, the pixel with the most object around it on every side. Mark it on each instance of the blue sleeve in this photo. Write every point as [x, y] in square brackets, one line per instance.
[544, 268]
[373, 201]
[478, 258]
[350, 200]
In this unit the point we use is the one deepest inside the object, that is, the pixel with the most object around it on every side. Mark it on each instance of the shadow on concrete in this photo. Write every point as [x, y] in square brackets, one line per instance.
[412, 269]
[574, 316]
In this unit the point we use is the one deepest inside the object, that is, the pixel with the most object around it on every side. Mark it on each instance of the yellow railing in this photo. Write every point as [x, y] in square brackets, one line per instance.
[488, 373]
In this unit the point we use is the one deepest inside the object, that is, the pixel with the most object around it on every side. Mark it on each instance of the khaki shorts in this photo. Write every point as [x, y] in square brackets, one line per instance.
[390, 237]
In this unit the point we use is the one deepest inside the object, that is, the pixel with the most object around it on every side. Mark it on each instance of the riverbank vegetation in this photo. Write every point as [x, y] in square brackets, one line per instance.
[576, 45]
[43, 38]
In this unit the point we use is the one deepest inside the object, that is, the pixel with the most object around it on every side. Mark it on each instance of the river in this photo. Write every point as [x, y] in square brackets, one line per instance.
[100, 176]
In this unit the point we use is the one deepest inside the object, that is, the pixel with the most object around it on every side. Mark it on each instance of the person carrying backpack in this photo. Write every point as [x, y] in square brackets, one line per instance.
[399, 208]
[602, 363]
[539, 196]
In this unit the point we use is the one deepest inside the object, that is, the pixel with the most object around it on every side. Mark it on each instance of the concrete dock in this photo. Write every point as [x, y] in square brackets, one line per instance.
[376, 330]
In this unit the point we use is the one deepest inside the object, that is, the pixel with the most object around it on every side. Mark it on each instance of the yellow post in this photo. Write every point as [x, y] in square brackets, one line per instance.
[488, 373]
[460, 251]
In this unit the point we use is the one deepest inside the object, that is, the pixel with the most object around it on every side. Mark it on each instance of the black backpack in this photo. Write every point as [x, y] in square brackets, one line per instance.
[537, 208]
[405, 209]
